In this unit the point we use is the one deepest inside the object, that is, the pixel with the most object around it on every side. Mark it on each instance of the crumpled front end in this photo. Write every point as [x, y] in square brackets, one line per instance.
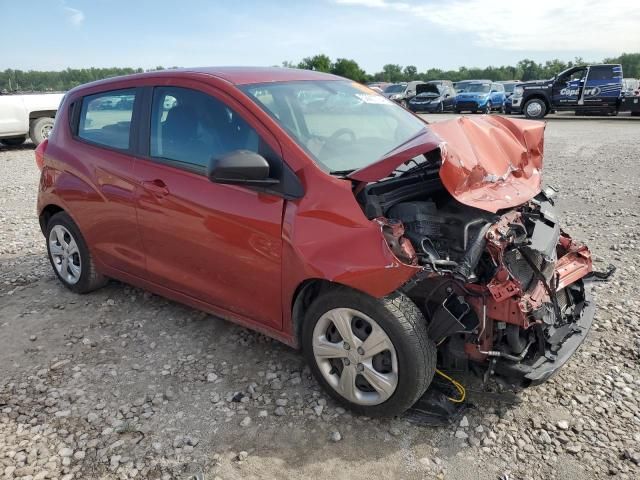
[502, 286]
[511, 299]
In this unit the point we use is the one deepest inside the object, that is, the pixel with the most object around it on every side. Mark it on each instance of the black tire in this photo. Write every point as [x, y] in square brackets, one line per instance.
[458, 111]
[441, 108]
[14, 141]
[90, 279]
[535, 101]
[405, 327]
[403, 103]
[40, 128]
[487, 109]
[503, 109]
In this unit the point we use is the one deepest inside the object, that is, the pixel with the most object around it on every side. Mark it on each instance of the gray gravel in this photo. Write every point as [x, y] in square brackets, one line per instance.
[124, 384]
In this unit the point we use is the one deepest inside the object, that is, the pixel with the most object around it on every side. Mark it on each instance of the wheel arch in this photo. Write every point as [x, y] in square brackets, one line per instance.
[46, 213]
[41, 113]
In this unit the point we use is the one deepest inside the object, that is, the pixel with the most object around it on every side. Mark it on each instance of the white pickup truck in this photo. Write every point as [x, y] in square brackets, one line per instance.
[28, 115]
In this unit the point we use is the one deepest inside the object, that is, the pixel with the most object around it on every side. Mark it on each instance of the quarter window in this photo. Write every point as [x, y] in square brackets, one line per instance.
[105, 118]
[191, 127]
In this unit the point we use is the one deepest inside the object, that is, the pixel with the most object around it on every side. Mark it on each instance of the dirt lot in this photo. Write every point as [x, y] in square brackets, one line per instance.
[124, 384]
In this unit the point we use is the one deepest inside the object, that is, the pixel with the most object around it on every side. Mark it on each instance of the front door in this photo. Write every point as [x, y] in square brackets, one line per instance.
[217, 243]
[567, 89]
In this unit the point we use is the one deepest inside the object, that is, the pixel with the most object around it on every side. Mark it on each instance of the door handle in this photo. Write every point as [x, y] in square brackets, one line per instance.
[157, 187]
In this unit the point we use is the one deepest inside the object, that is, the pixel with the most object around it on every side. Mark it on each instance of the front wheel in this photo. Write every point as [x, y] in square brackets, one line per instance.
[372, 355]
[70, 257]
[535, 109]
[487, 109]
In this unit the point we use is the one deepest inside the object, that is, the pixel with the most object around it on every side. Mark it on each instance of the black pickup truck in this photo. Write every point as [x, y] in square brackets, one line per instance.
[584, 89]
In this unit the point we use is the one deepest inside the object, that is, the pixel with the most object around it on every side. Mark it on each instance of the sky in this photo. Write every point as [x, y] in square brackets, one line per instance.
[56, 34]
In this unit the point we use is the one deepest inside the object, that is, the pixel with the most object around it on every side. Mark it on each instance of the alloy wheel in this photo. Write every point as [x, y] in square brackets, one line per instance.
[355, 356]
[65, 254]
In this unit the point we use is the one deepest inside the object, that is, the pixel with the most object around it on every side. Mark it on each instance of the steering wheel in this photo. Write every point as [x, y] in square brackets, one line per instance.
[340, 132]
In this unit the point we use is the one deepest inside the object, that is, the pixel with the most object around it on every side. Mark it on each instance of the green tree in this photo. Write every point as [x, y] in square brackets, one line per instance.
[348, 69]
[319, 63]
[392, 73]
[410, 73]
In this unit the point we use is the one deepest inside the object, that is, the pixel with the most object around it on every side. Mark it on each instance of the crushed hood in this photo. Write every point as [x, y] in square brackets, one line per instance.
[488, 162]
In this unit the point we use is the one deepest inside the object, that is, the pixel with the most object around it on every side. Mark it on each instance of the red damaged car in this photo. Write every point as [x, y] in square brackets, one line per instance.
[312, 209]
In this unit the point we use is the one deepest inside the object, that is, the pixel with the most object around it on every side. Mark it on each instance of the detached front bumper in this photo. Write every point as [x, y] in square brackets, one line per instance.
[546, 366]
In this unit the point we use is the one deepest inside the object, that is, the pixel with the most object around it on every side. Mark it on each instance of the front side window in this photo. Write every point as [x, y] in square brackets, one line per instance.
[341, 124]
[191, 127]
[105, 118]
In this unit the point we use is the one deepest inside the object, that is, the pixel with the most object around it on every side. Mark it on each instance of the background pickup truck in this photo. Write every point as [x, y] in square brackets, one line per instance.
[28, 115]
[584, 89]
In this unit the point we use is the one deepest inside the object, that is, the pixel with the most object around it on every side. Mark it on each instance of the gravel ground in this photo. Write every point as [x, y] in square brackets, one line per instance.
[124, 384]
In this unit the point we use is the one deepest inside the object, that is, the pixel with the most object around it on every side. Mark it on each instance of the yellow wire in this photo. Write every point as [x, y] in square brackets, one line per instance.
[458, 385]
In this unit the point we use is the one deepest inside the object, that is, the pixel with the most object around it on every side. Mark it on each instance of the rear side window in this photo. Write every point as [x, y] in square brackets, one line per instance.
[601, 73]
[105, 118]
[190, 127]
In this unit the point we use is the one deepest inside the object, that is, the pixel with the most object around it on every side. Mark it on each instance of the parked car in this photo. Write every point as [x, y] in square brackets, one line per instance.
[509, 87]
[29, 115]
[481, 97]
[459, 86]
[379, 85]
[401, 92]
[433, 97]
[378, 251]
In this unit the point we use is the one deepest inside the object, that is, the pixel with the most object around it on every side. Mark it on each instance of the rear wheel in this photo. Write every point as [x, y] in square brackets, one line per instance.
[14, 141]
[487, 109]
[535, 109]
[372, 355]
[40, 129]
[69, 256]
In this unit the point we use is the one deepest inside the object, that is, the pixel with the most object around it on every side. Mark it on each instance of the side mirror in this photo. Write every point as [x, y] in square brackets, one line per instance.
[240, 167]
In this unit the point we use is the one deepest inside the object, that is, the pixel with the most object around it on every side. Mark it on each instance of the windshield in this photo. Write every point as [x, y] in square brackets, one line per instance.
[395, 88]
[343, 125]
[477, 88]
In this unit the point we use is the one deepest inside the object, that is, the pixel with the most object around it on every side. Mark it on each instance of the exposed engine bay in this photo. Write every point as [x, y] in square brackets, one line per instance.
[504, 293]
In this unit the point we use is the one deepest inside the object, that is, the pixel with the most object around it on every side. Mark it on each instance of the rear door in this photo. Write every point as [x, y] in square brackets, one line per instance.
[100, 186]
[217, 243]
[603, 85]
[497, 94]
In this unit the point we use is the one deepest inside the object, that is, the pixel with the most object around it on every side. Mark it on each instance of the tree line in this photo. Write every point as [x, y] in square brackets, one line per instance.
[34, 80]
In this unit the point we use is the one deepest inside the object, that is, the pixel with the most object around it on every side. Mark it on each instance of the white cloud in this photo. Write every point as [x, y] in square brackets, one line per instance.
[546, 25]
[74, 16]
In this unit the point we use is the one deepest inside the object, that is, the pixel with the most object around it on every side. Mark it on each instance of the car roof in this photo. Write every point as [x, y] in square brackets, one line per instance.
[234, 75]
